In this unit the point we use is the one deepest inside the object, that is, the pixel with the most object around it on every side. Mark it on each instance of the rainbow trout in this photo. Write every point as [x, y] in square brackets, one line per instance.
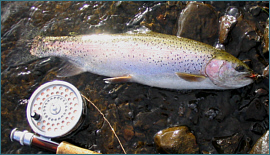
[152, 59]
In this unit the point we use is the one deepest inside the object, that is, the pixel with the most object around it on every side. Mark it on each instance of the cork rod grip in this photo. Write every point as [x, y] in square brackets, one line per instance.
[67, 148]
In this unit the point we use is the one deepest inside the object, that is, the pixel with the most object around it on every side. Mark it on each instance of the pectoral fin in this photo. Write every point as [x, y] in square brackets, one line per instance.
[191, 77]
[118, 79]
[69, 69]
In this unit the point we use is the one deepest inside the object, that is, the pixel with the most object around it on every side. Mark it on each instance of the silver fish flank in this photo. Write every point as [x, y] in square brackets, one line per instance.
[152, 59]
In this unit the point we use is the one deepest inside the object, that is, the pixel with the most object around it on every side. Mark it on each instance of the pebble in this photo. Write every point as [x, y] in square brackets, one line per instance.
[245, 32]
[257, 128]
[266, 38]
[227, 22]
[128, 132]
[262, 145]
[266, 71]
[233, 11]
[255, 111]
[176, 140]
[261, 92]
[199, 22]
[255, 10]
[211, 113]
[227, 145]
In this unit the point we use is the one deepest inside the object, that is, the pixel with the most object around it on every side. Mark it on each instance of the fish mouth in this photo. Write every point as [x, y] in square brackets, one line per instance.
[253, 76]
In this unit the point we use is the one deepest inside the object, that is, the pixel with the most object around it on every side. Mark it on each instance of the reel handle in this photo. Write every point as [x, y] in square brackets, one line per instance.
[67, 148]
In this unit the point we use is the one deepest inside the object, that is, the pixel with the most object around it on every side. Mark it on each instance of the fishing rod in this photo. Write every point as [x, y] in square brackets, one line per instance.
[55, 109]
[27, 138]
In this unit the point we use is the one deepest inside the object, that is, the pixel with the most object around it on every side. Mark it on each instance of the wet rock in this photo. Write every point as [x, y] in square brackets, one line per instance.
[243, 104]
[119, 15]
[257, 128]
[255, 111]
[227, 22]
[266, 38]
[246, 34]
[219, 5]
[244, 146]
[171, 15]
[110, 144]
[233, 11]
[211, 113]
[193, 105]
[162, 17]
[255, 10]
[266, 71]
[261, 92]
[219, 46]
[125, 111]
[29, 75]
[147, 120]
[41, 12]
[82, 17]
[176, 140]
[262, 145]
[12, 13]
[227, 145]
[145, 149]
[128, 132]
[140, 135]
[199, 22]
[258, 62]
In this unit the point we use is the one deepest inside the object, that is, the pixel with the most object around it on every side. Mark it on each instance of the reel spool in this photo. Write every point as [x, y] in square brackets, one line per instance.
[55, 109]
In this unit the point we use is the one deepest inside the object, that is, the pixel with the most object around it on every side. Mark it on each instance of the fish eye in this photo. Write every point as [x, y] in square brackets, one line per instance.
[240, 68]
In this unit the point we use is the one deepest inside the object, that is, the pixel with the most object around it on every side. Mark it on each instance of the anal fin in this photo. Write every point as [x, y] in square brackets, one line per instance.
[118, 79]
[191, 77]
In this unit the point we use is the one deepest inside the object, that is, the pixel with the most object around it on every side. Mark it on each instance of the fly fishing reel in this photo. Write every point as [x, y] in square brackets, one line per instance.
[55, 109]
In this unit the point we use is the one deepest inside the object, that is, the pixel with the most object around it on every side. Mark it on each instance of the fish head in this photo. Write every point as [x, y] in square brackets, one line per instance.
[229, 73]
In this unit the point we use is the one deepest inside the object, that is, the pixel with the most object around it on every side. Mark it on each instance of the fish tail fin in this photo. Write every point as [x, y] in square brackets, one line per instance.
[19, 55]
[15, 49]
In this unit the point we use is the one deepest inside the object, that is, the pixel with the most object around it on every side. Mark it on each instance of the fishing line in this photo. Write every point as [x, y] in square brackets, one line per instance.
[56, 110]
[107, 122]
